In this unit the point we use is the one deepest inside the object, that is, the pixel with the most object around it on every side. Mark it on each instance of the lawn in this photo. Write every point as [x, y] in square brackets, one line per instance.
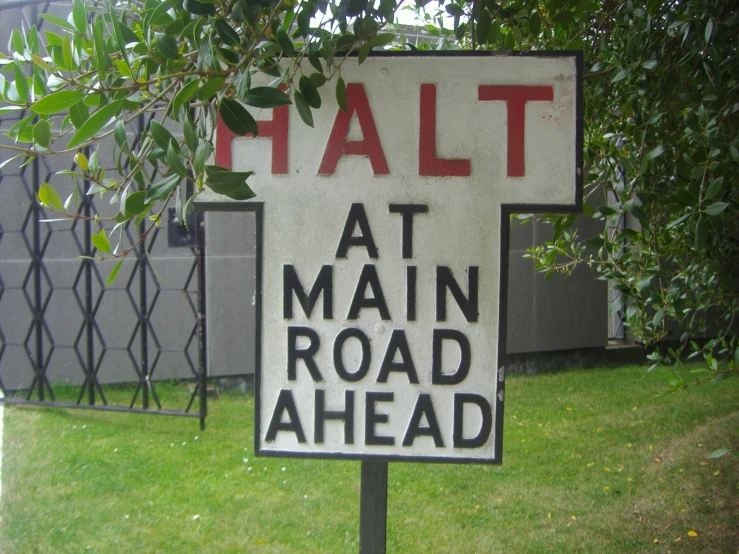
[594, 461]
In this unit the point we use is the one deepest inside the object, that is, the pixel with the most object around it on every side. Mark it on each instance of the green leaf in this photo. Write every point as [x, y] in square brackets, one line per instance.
[161, 136]
[100, 242]
[266, 97]
[81, 160]
[228, 183]
[678, 221]
[56, 20]
[315, 61]
[621, 75]
[57, 102]
[135, 203]
[310, 92]
[237, 118]
[285, 43]
[199, 8]
[594, 242]
[79, 113]
[163, 188]
[716, 208]
[184, 95]
[119, 133]
[303, 109]
[95, 123]
[174, 161]
[534, 24]
[227, 33]
[21, 82]
[341, 93]
[79, 17]
[114, 273]
[649, 64]
[709, 30]
[101, 54]
[167, 46]
[212, 86]
[119, 39]
[599, 66]
[655, 152]
[42, 133]
[657, 319]
[714, 188]
[318, 79]
[701, 233]
[39, 61]
[6, 162]
[191, 136]
[718, 453]
[47, 196]
[202, 154]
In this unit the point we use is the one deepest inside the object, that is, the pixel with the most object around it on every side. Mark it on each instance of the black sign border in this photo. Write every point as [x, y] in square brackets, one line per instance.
[506, 211]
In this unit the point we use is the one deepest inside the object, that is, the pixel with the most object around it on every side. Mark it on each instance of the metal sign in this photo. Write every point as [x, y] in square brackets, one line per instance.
[382, 248]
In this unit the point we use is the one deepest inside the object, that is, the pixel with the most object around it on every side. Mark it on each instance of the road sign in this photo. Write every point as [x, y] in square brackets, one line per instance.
[382, 237]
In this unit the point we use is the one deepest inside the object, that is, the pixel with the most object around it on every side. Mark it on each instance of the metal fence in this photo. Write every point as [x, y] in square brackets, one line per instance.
[66, 337]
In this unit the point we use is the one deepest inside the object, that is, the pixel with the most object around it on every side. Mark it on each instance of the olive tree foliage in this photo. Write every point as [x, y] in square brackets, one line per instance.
[182, 63]
[661, 125]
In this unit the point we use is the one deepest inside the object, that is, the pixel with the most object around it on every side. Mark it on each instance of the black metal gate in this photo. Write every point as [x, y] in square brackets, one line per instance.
[65, 338]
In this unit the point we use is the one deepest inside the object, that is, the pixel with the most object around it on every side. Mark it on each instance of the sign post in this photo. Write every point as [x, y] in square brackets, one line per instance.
[382, 247]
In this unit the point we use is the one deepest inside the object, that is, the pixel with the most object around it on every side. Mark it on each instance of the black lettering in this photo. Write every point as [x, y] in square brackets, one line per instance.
[460, 399]
[372, 418]
[356, 216]
[424, 407]
[407, 212]
[294, 354]
[291, 284]
[285, 403]
[410, 300]
[322, 414]
[364, 363]
[398, 343]
[437, 376]
[468, 305]
[360, 301]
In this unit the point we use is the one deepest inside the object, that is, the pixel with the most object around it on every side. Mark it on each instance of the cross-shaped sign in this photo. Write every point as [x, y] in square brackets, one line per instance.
[382, 239]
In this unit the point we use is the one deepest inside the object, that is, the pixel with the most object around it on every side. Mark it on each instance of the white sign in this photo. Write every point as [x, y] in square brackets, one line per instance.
[382, 237]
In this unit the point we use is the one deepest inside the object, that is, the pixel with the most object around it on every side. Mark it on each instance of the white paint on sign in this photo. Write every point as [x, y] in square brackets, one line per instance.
[381, 249]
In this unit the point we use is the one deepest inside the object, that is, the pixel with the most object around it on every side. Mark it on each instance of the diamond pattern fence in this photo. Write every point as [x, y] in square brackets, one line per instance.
[68, 340]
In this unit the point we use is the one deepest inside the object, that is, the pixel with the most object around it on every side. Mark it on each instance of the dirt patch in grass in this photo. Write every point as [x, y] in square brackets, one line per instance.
[690, 503]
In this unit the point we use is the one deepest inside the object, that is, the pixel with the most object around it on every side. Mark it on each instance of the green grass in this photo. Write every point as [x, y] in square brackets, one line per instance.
[594, 461]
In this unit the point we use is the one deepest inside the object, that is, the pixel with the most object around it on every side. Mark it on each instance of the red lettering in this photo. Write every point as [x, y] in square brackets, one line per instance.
[337, 146]
[428, 164]
[516, 97]
[275, 128]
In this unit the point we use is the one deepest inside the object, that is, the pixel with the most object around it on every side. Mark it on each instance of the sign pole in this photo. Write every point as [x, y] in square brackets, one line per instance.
[373, 508]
